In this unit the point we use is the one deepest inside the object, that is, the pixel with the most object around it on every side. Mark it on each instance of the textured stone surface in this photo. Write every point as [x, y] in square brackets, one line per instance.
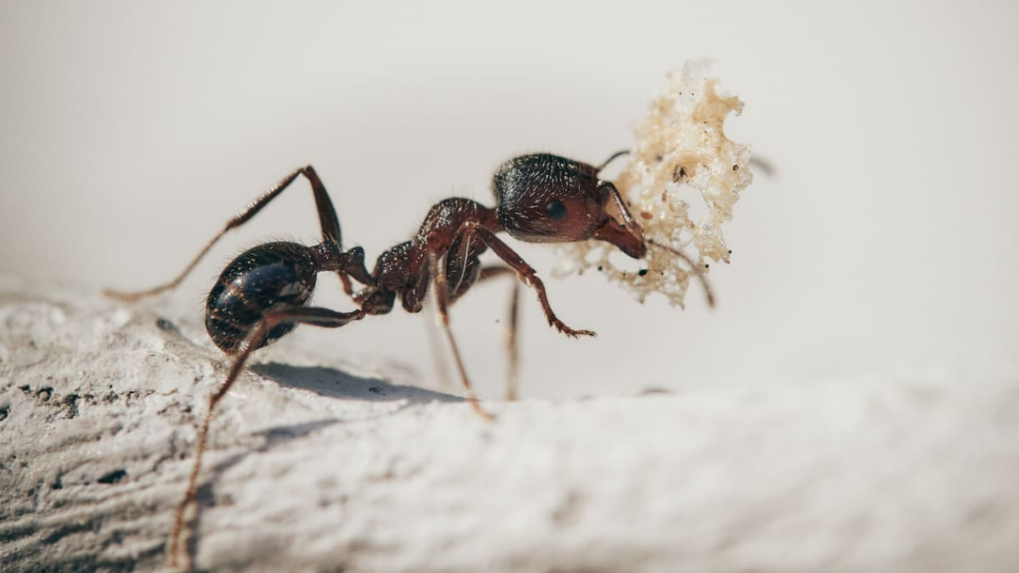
[318, 466]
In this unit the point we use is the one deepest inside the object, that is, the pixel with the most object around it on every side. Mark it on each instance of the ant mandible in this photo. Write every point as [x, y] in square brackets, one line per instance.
[260, 296]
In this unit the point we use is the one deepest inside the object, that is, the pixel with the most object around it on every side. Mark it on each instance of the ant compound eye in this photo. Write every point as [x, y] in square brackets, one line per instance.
[556, 210]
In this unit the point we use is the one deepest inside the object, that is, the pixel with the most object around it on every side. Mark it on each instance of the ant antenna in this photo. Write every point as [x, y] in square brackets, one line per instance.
[612, 158]
[764, 165]
[693, 267]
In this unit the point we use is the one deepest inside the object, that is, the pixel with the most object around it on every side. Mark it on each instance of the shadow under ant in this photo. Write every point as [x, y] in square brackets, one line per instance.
[340, 385]
[327, 382]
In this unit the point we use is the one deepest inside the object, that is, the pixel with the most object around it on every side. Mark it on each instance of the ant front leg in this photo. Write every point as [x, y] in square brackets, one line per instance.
[327, 219]
[527, 274]
[311, 315]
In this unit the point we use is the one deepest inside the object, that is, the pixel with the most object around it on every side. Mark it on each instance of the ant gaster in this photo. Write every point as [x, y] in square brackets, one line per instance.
[261, 295]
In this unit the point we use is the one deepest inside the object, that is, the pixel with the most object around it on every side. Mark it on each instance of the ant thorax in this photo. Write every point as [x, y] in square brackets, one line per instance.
[682, 180]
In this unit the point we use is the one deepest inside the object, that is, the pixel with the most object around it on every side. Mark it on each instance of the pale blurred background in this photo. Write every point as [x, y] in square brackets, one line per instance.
[886, 242]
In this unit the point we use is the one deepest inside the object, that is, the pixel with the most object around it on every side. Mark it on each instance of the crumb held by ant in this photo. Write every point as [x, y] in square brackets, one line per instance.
[680, 142]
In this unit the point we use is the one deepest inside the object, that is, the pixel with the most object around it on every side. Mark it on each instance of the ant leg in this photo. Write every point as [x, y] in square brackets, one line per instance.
[442, 306]
[326, 214]
[512, 352]
[436, 350]
[315, 316]
[528, 275]
[461, 265]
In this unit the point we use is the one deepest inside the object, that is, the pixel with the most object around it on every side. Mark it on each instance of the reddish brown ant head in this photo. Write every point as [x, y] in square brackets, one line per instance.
[545, 198]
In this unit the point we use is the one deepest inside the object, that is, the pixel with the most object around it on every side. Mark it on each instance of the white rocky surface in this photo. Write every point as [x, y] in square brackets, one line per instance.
[317, 466]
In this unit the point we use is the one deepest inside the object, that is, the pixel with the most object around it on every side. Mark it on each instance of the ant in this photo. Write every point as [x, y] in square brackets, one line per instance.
[261, 295]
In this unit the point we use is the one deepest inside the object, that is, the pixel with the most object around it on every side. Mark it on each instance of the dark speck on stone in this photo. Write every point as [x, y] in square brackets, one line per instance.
[642, 272]
[375, 390]
[113, 477]
[166, 325]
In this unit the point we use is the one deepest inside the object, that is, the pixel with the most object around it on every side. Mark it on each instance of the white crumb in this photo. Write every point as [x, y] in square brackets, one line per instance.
[680, 142]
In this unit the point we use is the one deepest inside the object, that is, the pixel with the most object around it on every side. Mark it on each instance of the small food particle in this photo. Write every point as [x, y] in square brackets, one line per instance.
[680, 142]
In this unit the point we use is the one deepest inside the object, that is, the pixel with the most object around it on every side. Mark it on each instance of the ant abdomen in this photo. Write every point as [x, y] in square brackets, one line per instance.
[264, 278]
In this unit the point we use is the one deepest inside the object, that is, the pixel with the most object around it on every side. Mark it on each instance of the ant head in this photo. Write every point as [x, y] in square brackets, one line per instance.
[544, 198]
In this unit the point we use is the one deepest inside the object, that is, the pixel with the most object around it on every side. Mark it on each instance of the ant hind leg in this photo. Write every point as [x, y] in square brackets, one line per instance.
[327, 218]
[305, 315]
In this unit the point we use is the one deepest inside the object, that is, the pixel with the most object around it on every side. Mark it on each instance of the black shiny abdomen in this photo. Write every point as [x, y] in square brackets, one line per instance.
[267, 277]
